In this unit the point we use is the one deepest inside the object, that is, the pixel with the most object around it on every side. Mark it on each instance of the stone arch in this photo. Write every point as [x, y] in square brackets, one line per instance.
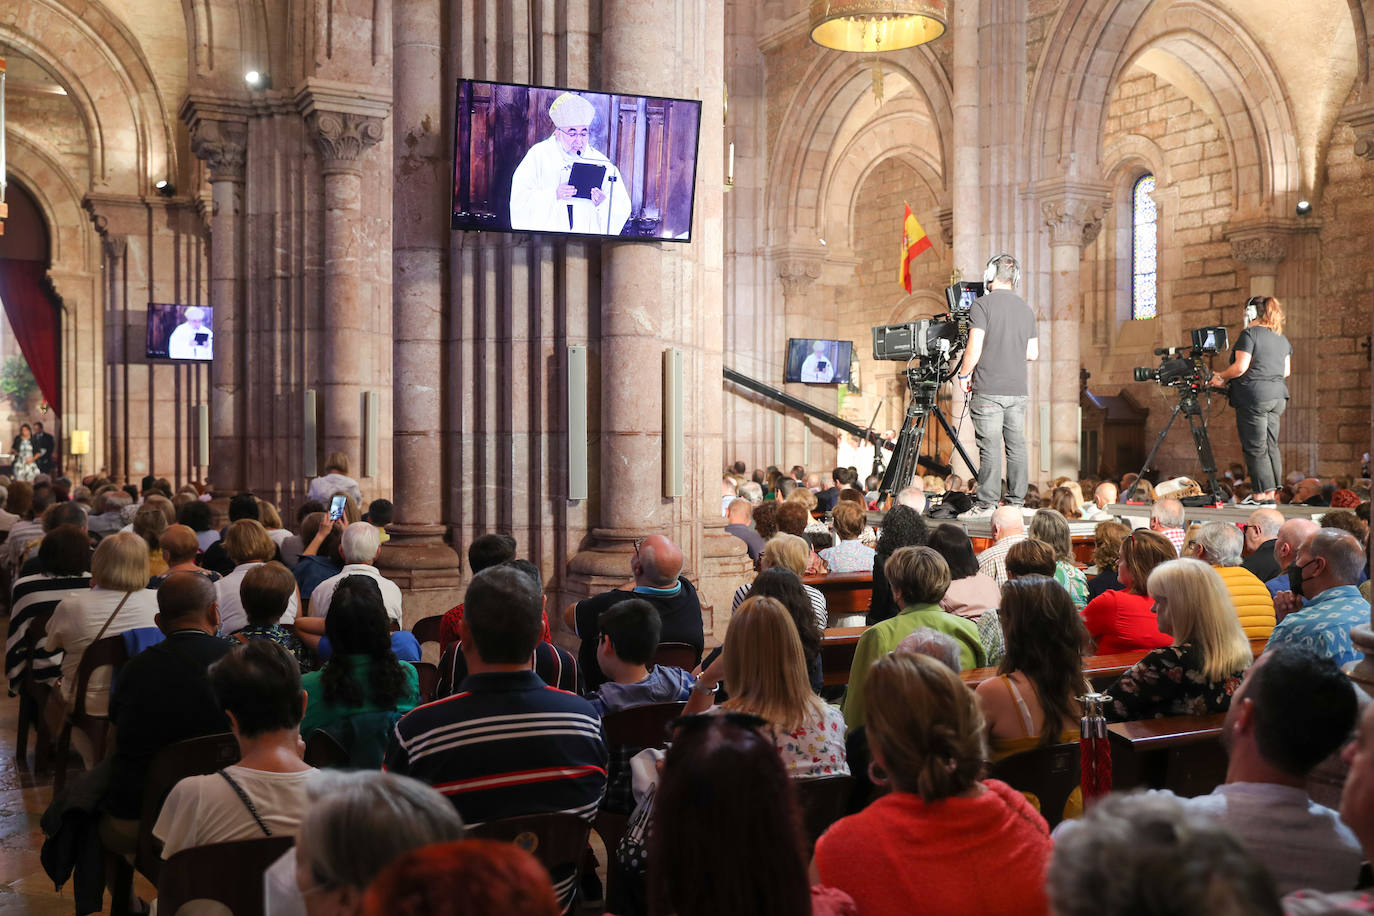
[130, 130]
[808, 142]
[1245, 98]
[70, 243]
[921, 303]
[1134, 150]
[226, 39]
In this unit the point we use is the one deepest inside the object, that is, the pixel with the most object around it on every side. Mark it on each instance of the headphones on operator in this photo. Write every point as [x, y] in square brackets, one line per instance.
[1252, 309]
[990, 271]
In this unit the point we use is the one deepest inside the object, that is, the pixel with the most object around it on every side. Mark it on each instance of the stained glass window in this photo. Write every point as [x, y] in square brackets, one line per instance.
[1144, 248]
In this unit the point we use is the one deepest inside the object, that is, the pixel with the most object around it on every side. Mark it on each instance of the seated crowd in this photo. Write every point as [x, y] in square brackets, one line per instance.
[397, 778]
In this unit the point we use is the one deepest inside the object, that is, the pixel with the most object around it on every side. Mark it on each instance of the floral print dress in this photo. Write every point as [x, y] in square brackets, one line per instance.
[817, 748]
[1169, 682]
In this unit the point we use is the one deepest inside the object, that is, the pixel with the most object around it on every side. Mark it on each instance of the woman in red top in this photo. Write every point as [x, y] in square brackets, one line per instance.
[1123, 620]
[941, 841]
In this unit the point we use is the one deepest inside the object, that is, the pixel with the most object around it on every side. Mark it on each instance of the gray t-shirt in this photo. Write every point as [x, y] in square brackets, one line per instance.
[1008, 325]
[1263, 381]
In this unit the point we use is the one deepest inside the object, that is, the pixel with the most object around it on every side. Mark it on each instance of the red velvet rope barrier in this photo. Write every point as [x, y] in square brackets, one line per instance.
[1095, 754]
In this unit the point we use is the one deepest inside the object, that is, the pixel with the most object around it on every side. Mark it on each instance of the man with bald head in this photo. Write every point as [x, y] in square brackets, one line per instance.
[657, 566]
[163, 695]
[1103, 496]
[1261, 532]
[1290, 536]
[1308, 492]
[1325, 571]
[1008, 528]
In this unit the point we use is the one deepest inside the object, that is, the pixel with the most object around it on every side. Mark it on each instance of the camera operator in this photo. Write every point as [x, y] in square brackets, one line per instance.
[1002, 339]
[1260, 361]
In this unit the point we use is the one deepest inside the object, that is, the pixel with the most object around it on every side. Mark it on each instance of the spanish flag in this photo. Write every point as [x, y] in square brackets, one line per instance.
[914, 241]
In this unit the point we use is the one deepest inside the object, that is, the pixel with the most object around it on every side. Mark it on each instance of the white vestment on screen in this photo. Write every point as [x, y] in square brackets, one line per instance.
[534, 204]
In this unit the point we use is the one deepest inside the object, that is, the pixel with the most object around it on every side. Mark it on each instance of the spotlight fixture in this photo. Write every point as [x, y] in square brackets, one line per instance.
[257, 80]
[165, 188]
[1304, 208]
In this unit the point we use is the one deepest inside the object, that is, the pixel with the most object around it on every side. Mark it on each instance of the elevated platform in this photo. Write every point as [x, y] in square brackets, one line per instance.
[1139, 515]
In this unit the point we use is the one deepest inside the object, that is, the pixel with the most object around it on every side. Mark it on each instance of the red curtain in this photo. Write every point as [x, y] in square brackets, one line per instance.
[32, 308]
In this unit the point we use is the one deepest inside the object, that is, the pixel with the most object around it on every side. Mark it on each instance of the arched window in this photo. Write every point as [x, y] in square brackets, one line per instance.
[1144, 248]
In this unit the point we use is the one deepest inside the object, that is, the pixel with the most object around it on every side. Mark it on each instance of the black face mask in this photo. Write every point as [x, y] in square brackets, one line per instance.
[1295, 578]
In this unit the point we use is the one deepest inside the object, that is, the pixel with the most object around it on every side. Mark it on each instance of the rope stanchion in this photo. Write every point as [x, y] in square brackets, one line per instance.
[1095, 752]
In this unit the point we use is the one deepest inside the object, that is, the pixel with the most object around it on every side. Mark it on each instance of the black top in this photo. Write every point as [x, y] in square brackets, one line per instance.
[1263, 381]
[161, 696]
[826, 499]
[751, 538]
[679, 612]
[1105, 581]
[1262, 562]
[880, 604]
[1008, 325]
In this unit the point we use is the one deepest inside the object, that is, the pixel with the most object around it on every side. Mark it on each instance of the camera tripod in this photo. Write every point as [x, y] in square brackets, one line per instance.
[924, 381]
[1188, 405]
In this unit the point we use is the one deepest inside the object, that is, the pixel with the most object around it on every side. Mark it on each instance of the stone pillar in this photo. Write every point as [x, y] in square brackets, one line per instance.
[1073, 218]
[966, 203]
[417, 557]
[343, 122]
[797, 274]
[219, 136]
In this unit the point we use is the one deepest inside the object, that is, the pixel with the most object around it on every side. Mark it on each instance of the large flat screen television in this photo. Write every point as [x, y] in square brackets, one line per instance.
[570, 162]
[818, 361]
[180, 331]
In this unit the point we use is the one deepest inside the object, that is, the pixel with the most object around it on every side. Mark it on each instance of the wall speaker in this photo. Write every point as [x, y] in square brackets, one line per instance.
[577, 422]
[1045, 451]
[372, 408]
[672, 423]
[203, 435]
[309, 445]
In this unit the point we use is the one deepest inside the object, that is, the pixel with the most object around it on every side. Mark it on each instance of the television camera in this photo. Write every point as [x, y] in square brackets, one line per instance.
[933, 349]
[1187, 369]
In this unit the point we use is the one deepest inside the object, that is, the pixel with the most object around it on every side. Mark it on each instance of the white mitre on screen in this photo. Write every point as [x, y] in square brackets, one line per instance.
[569, 110]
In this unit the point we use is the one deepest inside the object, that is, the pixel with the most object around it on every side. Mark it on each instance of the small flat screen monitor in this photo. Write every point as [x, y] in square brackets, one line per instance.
[571, 162]
[180, 332]
[818, 361]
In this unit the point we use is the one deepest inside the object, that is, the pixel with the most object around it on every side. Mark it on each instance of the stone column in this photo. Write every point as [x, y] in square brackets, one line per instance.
[797, 274]
[219, 136]
[416, 557]
[343, 122]
[1073, 218]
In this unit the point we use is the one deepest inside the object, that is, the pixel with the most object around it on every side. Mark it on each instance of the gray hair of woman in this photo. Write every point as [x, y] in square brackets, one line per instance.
[940, 646]
[1147, 853]
[357, 823]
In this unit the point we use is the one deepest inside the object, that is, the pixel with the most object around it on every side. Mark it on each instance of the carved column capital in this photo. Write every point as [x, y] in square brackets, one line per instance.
[343, 121]
[114, 245]
[947, 226]
[1073, 221]
[796, 274]
[1361, 117]
[219, 134]
[1259, 249]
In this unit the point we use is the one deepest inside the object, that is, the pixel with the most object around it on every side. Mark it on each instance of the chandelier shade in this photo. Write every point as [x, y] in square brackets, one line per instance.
[873, 26]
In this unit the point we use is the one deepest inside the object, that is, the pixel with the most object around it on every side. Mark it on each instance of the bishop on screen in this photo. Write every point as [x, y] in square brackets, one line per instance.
[565, 185]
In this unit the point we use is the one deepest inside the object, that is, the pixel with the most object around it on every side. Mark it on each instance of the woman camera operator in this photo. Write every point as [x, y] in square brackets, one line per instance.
[1260, 361]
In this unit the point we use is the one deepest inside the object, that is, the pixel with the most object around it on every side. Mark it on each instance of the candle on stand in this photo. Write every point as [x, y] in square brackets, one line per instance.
[730, 170]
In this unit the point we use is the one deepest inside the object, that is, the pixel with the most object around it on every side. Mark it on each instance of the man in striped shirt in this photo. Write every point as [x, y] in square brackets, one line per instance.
[506, 744]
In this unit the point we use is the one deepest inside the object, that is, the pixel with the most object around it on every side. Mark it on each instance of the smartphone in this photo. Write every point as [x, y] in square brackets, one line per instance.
[336, 507]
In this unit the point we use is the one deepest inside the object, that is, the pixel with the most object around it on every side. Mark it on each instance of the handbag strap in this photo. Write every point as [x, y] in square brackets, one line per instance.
[118, 608]
[247, 802]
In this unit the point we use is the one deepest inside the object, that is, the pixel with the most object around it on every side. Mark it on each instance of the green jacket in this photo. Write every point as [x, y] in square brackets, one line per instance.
[881, 638]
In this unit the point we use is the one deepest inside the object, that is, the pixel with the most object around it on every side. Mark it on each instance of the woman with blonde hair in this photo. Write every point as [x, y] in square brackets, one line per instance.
[334, 480]
[271, 520]
[1051, 527]
[925, 732]
[249, 546]
[787, 551]
[1198, 673]
[150, 523]
[118, 600]
[764, 668]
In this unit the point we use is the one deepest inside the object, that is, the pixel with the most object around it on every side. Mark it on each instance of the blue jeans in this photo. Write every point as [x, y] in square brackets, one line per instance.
[998, 418]
[1258, 425]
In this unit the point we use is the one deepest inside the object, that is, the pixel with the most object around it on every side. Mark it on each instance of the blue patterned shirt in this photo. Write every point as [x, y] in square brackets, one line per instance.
[1324, 625]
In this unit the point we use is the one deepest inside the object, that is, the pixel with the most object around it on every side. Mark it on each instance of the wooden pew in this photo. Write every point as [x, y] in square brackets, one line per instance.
[837, 653]
[845, 593]
[1179, 753]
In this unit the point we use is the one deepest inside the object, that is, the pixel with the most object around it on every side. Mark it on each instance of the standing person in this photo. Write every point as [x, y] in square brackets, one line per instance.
[1002, 340]
[335, 480]
[1260, 361]
[47, 448]
[25, 451]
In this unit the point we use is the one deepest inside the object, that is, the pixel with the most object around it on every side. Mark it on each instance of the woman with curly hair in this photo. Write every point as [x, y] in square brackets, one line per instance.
[1107, 538]
[363, 674]
[902, 527]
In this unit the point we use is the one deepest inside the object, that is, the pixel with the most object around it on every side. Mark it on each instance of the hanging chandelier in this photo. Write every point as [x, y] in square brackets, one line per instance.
[874, 26]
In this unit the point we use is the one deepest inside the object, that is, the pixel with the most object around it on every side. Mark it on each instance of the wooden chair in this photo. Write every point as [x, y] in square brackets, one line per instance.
[823, 801]
[558, 841]
[676, 655]
[33, 697]
[108, 652]
[427, 629]
[230, 873]
[837, 653]
[1050, 774]
[323, 751]
[192, 757]
[429, 679]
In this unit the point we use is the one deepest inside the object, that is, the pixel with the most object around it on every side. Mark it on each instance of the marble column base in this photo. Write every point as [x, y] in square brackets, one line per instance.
[428, 570]
[1363, 672]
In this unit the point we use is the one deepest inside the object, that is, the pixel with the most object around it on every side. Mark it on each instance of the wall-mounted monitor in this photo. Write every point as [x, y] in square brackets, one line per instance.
[570, 162]
[180, 332]
[818, 361]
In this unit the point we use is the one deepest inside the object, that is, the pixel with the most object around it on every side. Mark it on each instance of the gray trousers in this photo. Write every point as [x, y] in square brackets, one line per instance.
[999, 419]
[1258, 425]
